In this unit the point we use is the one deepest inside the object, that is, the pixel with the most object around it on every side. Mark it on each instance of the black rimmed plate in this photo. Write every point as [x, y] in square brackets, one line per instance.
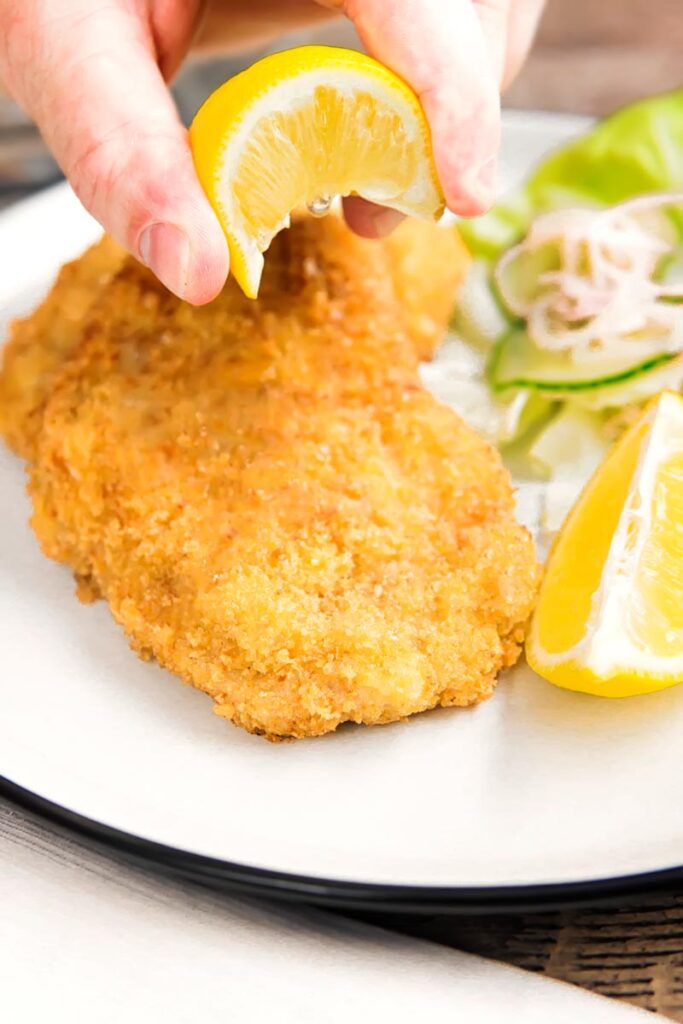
[537, 795]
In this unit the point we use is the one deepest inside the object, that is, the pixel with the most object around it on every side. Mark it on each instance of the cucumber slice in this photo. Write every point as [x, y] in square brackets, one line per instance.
[566, 454]
[571, 447]
[517, 362]
[666, 376]
[479, 318]
[671, 269]
[518, 280]
[527, 411]
[502, 421]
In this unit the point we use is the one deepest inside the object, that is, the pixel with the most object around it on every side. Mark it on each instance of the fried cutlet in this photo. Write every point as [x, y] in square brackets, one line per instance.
[426, 267]
[39, 343]
[271, 503]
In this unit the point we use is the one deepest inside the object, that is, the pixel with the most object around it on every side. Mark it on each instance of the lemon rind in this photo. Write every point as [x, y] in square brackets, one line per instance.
[290, 75]
[591, 664]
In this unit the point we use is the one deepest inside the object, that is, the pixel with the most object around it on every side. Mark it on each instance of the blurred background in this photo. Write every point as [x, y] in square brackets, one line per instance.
[590, 57]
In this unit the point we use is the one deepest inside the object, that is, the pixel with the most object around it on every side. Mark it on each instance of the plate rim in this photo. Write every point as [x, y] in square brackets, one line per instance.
[232, 876]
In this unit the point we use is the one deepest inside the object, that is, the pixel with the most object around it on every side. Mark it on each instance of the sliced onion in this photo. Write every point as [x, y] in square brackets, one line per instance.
[604, 293]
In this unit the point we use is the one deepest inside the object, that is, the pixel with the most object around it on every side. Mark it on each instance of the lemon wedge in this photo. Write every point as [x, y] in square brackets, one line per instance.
[609, 619]
[299, 128]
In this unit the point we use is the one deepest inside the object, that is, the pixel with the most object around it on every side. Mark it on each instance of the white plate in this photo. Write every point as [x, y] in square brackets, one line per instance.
[536, 787]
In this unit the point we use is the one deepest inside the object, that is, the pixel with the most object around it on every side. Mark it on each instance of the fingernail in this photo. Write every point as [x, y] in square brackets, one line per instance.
[165, 249]
[385, 220]
[480, 184]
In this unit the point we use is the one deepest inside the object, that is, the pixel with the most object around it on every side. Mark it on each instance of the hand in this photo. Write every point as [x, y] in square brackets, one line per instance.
[93, 73]
[457, 55]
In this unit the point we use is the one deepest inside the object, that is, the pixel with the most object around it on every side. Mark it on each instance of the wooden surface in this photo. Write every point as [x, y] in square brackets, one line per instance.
[592, 56]
[632, 953]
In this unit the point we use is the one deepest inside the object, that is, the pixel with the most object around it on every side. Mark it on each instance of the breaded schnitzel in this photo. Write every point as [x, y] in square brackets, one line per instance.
[425, 268]
[39, 343]
[271, 503]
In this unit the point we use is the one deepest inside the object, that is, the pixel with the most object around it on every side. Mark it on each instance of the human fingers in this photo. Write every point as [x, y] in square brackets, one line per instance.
[87, 73]
[441, 51]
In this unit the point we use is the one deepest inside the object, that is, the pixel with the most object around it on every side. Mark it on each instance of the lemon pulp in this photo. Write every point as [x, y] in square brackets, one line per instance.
[609, 619]
[300, 127]
[656, 618]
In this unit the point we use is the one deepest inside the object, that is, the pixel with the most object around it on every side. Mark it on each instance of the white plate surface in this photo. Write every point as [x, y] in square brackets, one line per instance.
[536, 786]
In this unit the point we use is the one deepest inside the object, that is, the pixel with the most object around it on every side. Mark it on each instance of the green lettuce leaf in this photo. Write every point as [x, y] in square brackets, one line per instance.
[639, 149]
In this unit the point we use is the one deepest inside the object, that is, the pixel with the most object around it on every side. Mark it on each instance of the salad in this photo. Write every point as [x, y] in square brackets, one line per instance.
[571, 316]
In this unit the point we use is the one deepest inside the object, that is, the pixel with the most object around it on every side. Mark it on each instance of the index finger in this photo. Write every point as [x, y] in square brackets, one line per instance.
[440, 50]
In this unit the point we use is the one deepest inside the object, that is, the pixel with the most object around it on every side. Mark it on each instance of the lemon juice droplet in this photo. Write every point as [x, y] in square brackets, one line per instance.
[319, 206]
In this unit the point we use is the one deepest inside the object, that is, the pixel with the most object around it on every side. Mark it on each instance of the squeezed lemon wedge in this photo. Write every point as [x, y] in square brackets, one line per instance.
[299, 128]
[609, 619]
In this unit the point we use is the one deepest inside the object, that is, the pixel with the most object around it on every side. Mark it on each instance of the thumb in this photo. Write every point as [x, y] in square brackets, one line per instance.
[100, 101]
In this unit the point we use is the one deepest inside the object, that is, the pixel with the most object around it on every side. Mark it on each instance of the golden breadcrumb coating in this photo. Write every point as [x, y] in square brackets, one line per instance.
[273, 506]
[426, 267]
[38, 343]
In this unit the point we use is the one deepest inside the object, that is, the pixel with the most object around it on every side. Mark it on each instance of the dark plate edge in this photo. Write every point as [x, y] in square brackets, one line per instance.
[350, 896]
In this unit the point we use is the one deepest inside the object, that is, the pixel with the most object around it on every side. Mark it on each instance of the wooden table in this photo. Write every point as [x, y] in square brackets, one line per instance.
[591, 56]
[632, 952]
